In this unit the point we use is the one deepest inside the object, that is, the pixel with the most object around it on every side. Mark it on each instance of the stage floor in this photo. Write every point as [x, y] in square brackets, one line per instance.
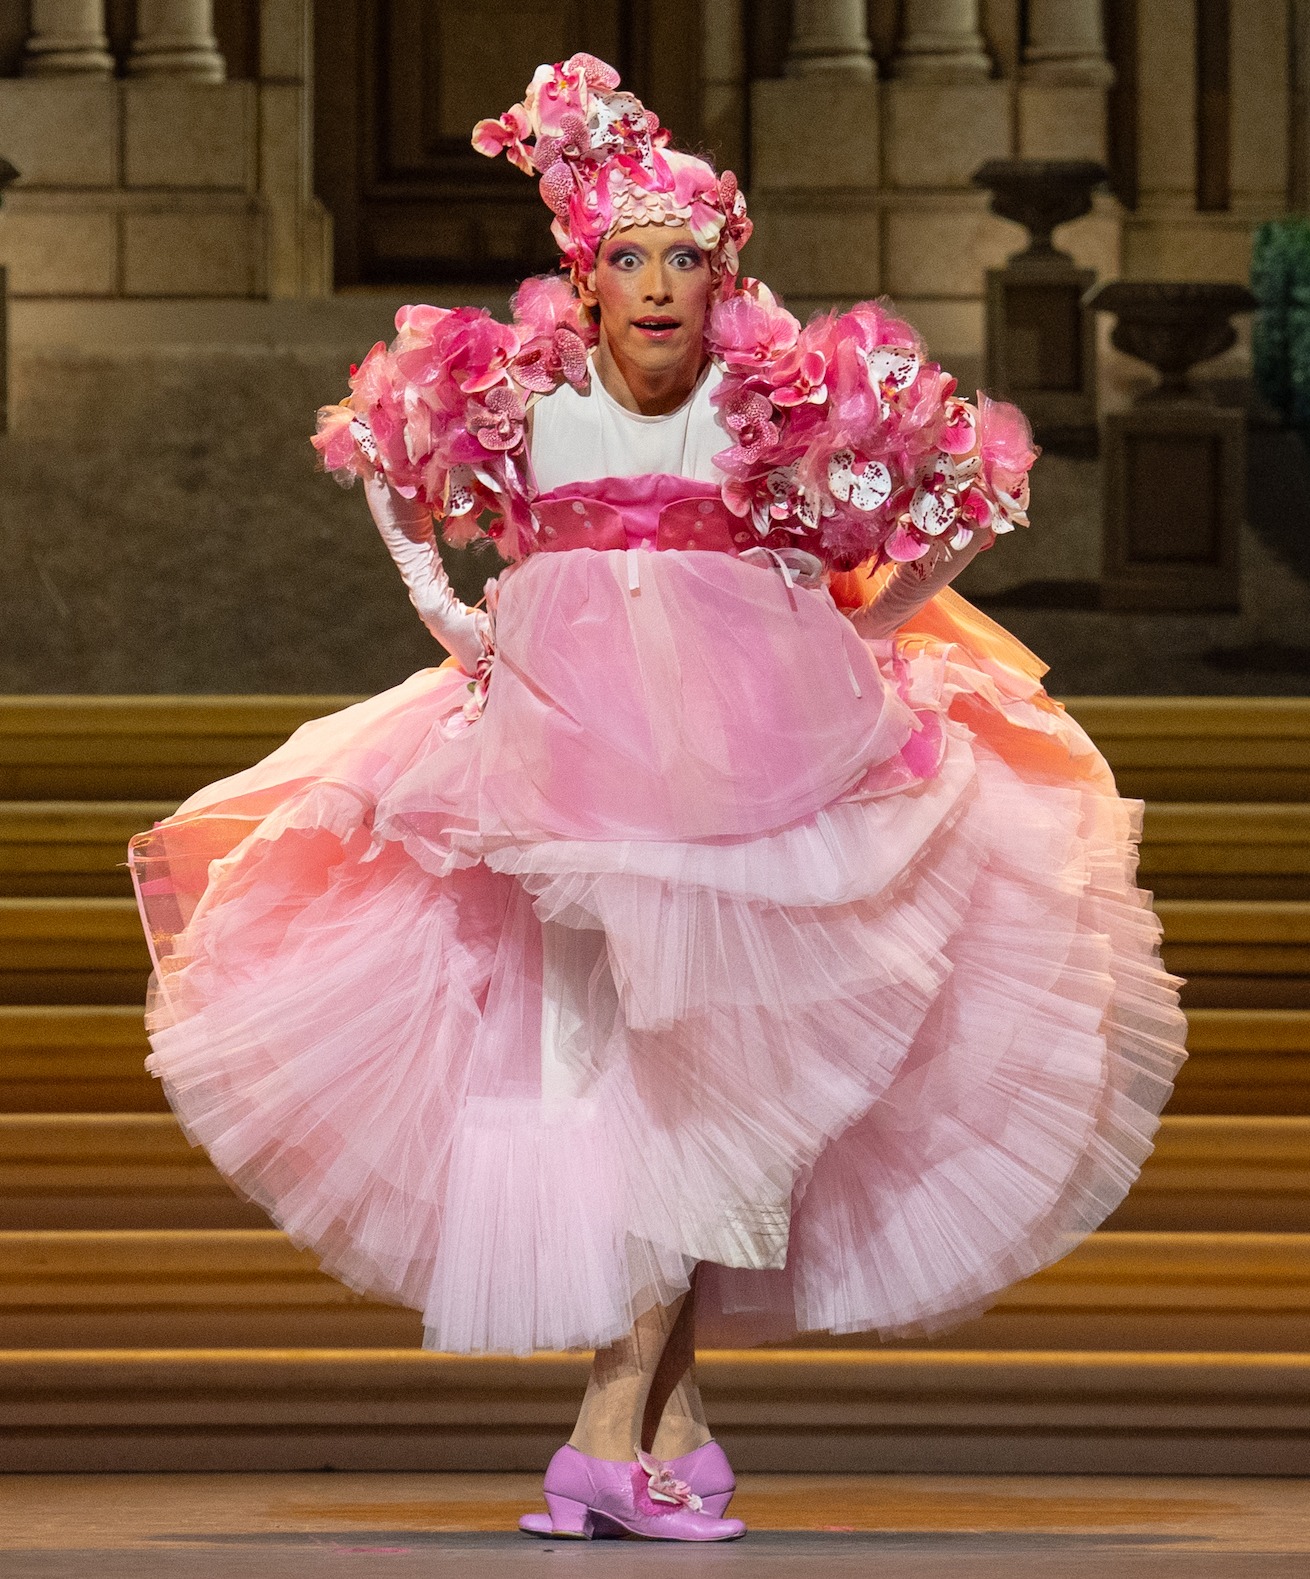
[916, 1526]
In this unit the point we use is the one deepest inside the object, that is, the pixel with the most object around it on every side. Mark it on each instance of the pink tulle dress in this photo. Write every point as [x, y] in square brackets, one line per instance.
[722, 937]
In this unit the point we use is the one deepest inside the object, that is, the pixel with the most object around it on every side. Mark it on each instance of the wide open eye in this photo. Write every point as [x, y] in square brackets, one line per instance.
[686, 259]
[625, 258]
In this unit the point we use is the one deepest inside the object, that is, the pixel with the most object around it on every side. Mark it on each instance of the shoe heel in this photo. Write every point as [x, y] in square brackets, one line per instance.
[569, 1518]
[717, 1505]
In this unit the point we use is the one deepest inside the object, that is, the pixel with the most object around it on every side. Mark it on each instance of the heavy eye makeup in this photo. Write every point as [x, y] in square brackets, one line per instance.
[627, 258]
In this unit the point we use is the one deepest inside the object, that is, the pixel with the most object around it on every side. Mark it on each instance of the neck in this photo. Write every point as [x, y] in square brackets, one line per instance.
[649, 394]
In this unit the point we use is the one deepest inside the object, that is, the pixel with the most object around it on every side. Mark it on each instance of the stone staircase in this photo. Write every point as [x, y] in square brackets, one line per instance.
[151, 1320]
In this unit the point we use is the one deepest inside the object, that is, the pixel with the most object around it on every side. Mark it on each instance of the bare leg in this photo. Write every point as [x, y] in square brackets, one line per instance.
[613, 1410]
[674, 1421]
[642, 1390]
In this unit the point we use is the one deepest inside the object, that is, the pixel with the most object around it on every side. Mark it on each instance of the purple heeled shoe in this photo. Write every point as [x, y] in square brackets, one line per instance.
[592, 1498]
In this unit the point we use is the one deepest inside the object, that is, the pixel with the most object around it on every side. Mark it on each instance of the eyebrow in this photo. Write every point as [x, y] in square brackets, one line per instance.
[615, 246]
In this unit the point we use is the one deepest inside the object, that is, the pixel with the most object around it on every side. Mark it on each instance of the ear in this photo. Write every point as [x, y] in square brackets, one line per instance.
[586, 288]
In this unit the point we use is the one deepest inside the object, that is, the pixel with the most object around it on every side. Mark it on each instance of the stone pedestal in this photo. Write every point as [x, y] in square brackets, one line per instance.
[1174, 480]
[1040, 339]
[1174, 465]
[1040, 349]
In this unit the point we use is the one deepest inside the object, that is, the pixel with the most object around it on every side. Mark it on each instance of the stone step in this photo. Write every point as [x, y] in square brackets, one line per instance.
[67, 848]
[88, 1059]
[77, 1059]
[137, 1171]
[844, 1412]
[1236, 953]
[1223, 1173]
[1202, 748]
[89, 951]
[1248, 1061]
[105, 748]
[1239, 953]
[249, 1288]
[1193, 850]
[105, 1170]
[1163, 748]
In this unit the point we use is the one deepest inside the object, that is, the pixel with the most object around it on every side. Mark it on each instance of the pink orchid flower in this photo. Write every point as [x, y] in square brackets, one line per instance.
[553, 93]
[545, 303]
[506, 135]
[749, 332]
[497, 423]
[747, 417]
[904, 547]
[800, 379]
[934, 508]
[960, 433]
[470, 353]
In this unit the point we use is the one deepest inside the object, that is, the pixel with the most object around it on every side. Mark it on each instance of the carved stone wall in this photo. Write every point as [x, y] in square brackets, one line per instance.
[168, 179]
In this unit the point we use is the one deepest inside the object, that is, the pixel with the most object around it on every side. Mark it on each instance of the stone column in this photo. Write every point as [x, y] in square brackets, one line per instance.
[1063, 81]
[723, 83]
[175, 39]
[297, 226]
[829, 38]
[1066, 44]
[68, 36]
[941, 43]
[815, 163]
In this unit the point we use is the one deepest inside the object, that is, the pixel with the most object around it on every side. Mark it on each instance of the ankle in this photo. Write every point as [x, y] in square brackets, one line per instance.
[604, 1442]
[678, 1436]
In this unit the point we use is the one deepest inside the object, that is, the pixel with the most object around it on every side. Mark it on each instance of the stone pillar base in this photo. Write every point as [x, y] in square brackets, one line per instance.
[1174, 498]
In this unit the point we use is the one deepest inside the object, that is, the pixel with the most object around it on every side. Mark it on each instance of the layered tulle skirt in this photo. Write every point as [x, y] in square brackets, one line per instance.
[721, 938]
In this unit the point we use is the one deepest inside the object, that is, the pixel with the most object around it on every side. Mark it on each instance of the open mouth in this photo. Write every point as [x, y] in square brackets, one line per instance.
[657, 326]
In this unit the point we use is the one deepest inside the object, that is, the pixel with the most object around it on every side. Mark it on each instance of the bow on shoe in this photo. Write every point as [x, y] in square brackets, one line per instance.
[662, 1492]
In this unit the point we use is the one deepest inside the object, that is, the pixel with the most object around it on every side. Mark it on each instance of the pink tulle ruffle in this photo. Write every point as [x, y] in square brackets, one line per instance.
[517, 1022]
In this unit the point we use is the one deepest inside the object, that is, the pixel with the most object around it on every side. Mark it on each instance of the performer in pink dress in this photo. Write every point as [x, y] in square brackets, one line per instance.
[731, 939]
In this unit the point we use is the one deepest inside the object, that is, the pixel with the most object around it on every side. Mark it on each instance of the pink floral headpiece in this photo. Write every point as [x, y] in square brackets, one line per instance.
[605, 164]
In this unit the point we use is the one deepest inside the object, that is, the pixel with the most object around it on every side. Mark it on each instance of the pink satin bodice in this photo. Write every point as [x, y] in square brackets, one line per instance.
[654, 511]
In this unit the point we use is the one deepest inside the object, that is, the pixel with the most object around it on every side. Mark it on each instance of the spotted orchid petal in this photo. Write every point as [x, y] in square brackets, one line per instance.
[866, 485]
[892, 367]
[933, 512]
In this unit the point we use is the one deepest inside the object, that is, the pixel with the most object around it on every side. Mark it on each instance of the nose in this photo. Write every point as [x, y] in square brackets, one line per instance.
[657, 286]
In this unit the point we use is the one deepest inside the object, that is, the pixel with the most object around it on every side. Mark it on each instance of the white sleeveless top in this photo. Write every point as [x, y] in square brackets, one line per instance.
[582, 437]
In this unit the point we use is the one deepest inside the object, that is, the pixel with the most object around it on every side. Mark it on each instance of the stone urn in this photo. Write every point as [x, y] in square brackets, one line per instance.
[1171, 325]
[1174, 482]
[1040, 194]
[1040, 340]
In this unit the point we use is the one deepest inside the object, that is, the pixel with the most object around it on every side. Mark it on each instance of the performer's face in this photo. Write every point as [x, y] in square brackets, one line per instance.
[652, 284]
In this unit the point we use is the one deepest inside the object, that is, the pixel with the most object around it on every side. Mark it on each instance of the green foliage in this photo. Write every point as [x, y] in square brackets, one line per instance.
[1280, 280]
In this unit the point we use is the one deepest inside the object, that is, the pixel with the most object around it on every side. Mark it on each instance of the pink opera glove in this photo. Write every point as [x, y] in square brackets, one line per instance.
[406, 528]
[912, 585]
